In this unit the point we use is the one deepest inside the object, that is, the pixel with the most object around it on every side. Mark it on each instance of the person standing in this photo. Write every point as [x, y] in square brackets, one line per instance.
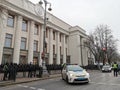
[30, 70]
[5, 70]
[115, 69]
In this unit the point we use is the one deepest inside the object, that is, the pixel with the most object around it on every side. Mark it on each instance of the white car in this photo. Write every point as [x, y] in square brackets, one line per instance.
[75, 74]
[106, 68]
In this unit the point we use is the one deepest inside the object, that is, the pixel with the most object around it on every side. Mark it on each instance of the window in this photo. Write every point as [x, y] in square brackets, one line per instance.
[10, 21]
[35, 45]
[8, 40]
[24, 25]
[53, 49]
[36, 30]
[23, 43]
[60, 50]
[46, 48]
[66, 51]
[53, 35]
[60, 37]
[46, 32]
[66, 39]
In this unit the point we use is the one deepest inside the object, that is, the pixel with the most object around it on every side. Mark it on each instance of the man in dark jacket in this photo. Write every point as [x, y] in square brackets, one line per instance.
[5, 70]
[30, 70]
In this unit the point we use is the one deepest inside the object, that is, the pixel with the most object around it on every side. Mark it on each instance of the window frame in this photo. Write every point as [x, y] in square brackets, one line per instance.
[24, 22]
[8, 38]
[23, 39]
[35, 45]
[53, 35]
[9, 19]
[36, 30]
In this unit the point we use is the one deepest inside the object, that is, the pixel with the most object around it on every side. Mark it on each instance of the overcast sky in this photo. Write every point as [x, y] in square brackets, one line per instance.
[88, 13]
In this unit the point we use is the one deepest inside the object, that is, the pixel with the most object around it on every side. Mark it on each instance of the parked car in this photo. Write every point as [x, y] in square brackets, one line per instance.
[75, 74]
[106, 68]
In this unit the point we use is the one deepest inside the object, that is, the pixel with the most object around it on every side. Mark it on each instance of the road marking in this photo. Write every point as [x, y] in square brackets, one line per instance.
[40, 89]
[19, 85]
[25, 86]
[32, 88]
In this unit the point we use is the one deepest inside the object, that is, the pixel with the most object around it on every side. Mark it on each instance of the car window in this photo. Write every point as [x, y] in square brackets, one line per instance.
[74, 68]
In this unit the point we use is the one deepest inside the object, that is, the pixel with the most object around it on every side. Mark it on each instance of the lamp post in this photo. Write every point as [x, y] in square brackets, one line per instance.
[44, 41]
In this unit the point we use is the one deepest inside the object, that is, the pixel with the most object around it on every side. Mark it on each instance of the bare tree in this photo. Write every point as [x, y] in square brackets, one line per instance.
[102, 44]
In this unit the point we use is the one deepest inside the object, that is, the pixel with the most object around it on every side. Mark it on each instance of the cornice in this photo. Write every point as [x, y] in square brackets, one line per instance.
[27, 14]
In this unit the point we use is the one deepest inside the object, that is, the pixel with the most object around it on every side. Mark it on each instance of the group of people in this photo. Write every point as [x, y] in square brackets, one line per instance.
[10, 70]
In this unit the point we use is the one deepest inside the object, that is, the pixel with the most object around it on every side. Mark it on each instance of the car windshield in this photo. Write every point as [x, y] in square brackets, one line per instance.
[74, 68]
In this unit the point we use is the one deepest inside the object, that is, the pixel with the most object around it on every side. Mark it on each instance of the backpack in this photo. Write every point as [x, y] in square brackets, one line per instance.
[5, 68]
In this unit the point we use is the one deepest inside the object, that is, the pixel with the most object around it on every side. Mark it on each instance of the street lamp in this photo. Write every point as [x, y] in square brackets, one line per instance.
[44, 41]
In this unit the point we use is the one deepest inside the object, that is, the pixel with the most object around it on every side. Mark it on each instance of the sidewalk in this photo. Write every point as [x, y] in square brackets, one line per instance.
[26, 80]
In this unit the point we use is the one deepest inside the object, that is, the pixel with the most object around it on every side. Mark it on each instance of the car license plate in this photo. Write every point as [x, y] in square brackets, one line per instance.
[81, 78]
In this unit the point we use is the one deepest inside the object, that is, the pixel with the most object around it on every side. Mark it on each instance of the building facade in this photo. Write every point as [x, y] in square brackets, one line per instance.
[22, 33]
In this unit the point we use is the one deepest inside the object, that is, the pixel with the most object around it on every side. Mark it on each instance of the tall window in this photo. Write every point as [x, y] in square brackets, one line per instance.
[60, 37]
[53, 35]
[8, 40]
[10, 21]
[46, 32]
[46, 50]
[24, 25]
[36, 30]
[60, 50]
[66, 39]
[66, 51]
[35, 45]
[23, 43]
[53, 49]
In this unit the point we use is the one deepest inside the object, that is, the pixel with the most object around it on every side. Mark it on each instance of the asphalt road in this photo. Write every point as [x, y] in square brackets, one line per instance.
[99, 81]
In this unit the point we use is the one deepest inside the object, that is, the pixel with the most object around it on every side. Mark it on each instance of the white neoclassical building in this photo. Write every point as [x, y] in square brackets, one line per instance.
[22, 32]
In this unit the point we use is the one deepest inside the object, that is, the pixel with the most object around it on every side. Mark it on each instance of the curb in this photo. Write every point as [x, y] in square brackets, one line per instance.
[13, 83]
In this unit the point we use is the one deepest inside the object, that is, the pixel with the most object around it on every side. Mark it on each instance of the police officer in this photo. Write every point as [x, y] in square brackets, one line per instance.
[30, 70]
[115, 69]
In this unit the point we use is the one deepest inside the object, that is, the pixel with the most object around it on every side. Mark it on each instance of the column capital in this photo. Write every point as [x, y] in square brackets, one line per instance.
[19, 17]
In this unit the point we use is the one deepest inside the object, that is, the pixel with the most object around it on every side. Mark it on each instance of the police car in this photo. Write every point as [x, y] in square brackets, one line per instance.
[75, 74]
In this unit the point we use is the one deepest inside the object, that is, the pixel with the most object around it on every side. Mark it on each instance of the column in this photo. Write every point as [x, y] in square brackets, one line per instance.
[64, 50]
[51, 47]
[81, 50]
[17, 40]
[41, 43]
[31, 42]
[3, 23]
[58, 47]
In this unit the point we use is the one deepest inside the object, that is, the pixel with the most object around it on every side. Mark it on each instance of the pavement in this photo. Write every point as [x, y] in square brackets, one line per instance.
[20, 80]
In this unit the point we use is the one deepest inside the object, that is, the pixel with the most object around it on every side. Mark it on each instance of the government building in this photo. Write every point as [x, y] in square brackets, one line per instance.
[22, 36]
